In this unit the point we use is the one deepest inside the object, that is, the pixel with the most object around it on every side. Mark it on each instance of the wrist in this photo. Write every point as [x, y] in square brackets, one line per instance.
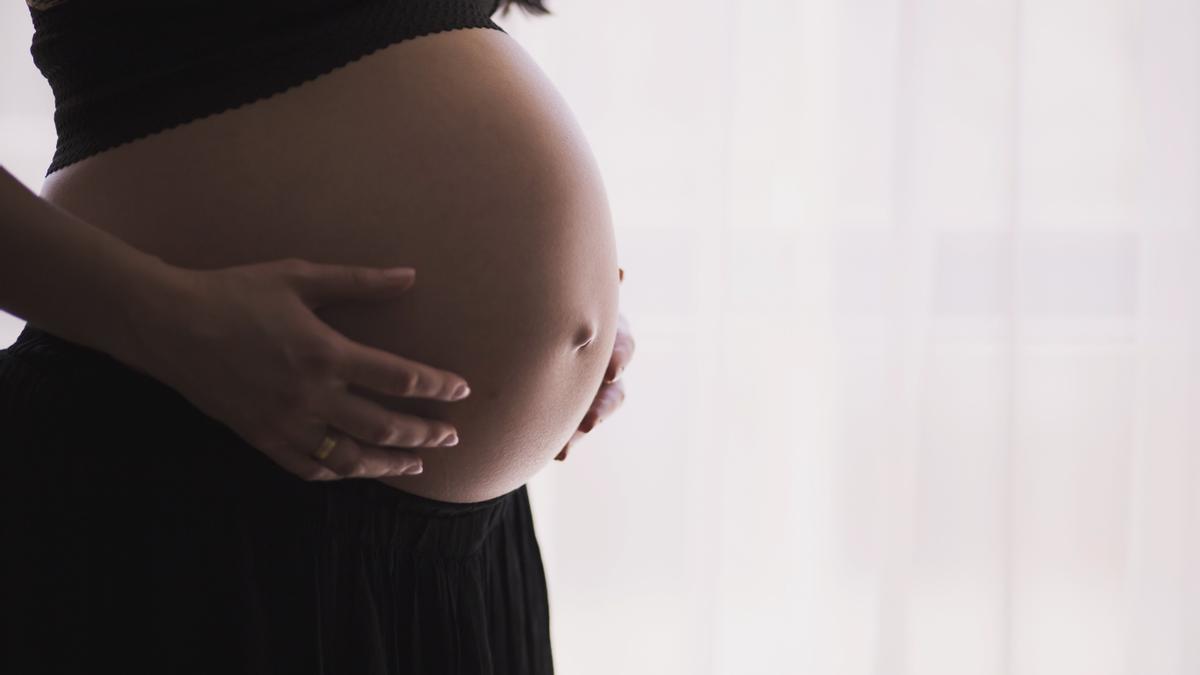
[151, 296]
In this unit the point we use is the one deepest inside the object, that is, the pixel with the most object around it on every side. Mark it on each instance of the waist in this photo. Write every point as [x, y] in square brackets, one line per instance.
[452, 154]
[65, 383]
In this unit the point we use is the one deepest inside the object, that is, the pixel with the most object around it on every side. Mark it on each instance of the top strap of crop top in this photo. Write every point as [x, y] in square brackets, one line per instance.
[121, 70]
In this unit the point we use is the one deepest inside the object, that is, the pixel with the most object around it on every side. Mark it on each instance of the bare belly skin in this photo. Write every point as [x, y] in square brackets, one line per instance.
[451, 153]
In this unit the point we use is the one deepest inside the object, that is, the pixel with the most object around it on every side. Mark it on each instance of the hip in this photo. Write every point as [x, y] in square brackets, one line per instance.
[145, 535]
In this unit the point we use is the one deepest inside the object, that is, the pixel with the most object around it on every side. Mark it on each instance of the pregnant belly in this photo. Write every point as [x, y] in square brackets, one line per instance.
[451, 153]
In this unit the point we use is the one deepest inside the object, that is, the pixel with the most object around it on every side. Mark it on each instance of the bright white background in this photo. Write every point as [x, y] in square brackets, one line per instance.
[916, 296]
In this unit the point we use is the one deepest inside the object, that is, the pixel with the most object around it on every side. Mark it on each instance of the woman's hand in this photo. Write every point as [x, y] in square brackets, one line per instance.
[612, 390]
[244, 346]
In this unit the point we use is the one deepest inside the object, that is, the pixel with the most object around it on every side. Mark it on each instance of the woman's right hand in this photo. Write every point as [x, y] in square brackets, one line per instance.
[244, 346]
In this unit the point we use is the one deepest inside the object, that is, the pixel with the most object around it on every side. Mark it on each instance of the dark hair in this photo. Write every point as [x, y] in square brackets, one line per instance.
[534, 7]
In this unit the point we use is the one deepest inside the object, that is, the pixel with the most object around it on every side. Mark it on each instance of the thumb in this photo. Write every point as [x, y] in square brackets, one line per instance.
[323, 284]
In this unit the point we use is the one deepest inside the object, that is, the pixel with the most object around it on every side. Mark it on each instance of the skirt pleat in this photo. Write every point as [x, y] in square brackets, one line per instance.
[141, 536]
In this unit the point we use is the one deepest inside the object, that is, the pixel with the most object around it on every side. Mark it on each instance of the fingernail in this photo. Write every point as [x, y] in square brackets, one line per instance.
[452, 439]
[460, 392]
[414, 470]
[398, 272]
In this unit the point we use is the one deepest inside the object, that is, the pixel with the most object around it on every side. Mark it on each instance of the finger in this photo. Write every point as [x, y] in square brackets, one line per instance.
[574, 437]
[623, 347]
[290, 450]
[610, 397]
[395, 375]
[305, 468]
[348, 459]
[376, 425]
[321, 284]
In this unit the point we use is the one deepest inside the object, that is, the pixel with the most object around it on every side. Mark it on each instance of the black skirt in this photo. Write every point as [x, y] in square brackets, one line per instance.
[140, 535]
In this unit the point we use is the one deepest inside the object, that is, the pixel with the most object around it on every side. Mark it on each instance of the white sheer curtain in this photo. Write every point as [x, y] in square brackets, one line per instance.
[916, 288]
[916, 292]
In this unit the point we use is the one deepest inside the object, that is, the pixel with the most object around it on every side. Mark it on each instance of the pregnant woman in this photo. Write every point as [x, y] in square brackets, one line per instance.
[232, 442]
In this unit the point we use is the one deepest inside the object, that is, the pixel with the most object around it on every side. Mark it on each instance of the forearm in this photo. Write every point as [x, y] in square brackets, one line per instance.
[72, 278]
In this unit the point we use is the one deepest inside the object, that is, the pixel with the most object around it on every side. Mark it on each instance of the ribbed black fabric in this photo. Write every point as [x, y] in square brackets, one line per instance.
[124, 69]
[139, 536]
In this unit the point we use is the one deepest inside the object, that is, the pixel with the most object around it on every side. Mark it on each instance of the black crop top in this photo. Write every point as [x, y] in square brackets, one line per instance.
[124, 69]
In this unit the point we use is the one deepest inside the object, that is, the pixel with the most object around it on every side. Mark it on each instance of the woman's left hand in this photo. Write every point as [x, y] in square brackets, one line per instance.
[612, 390]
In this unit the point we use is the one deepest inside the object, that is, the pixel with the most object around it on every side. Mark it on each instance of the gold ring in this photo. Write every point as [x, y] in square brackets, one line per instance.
[326, 447]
